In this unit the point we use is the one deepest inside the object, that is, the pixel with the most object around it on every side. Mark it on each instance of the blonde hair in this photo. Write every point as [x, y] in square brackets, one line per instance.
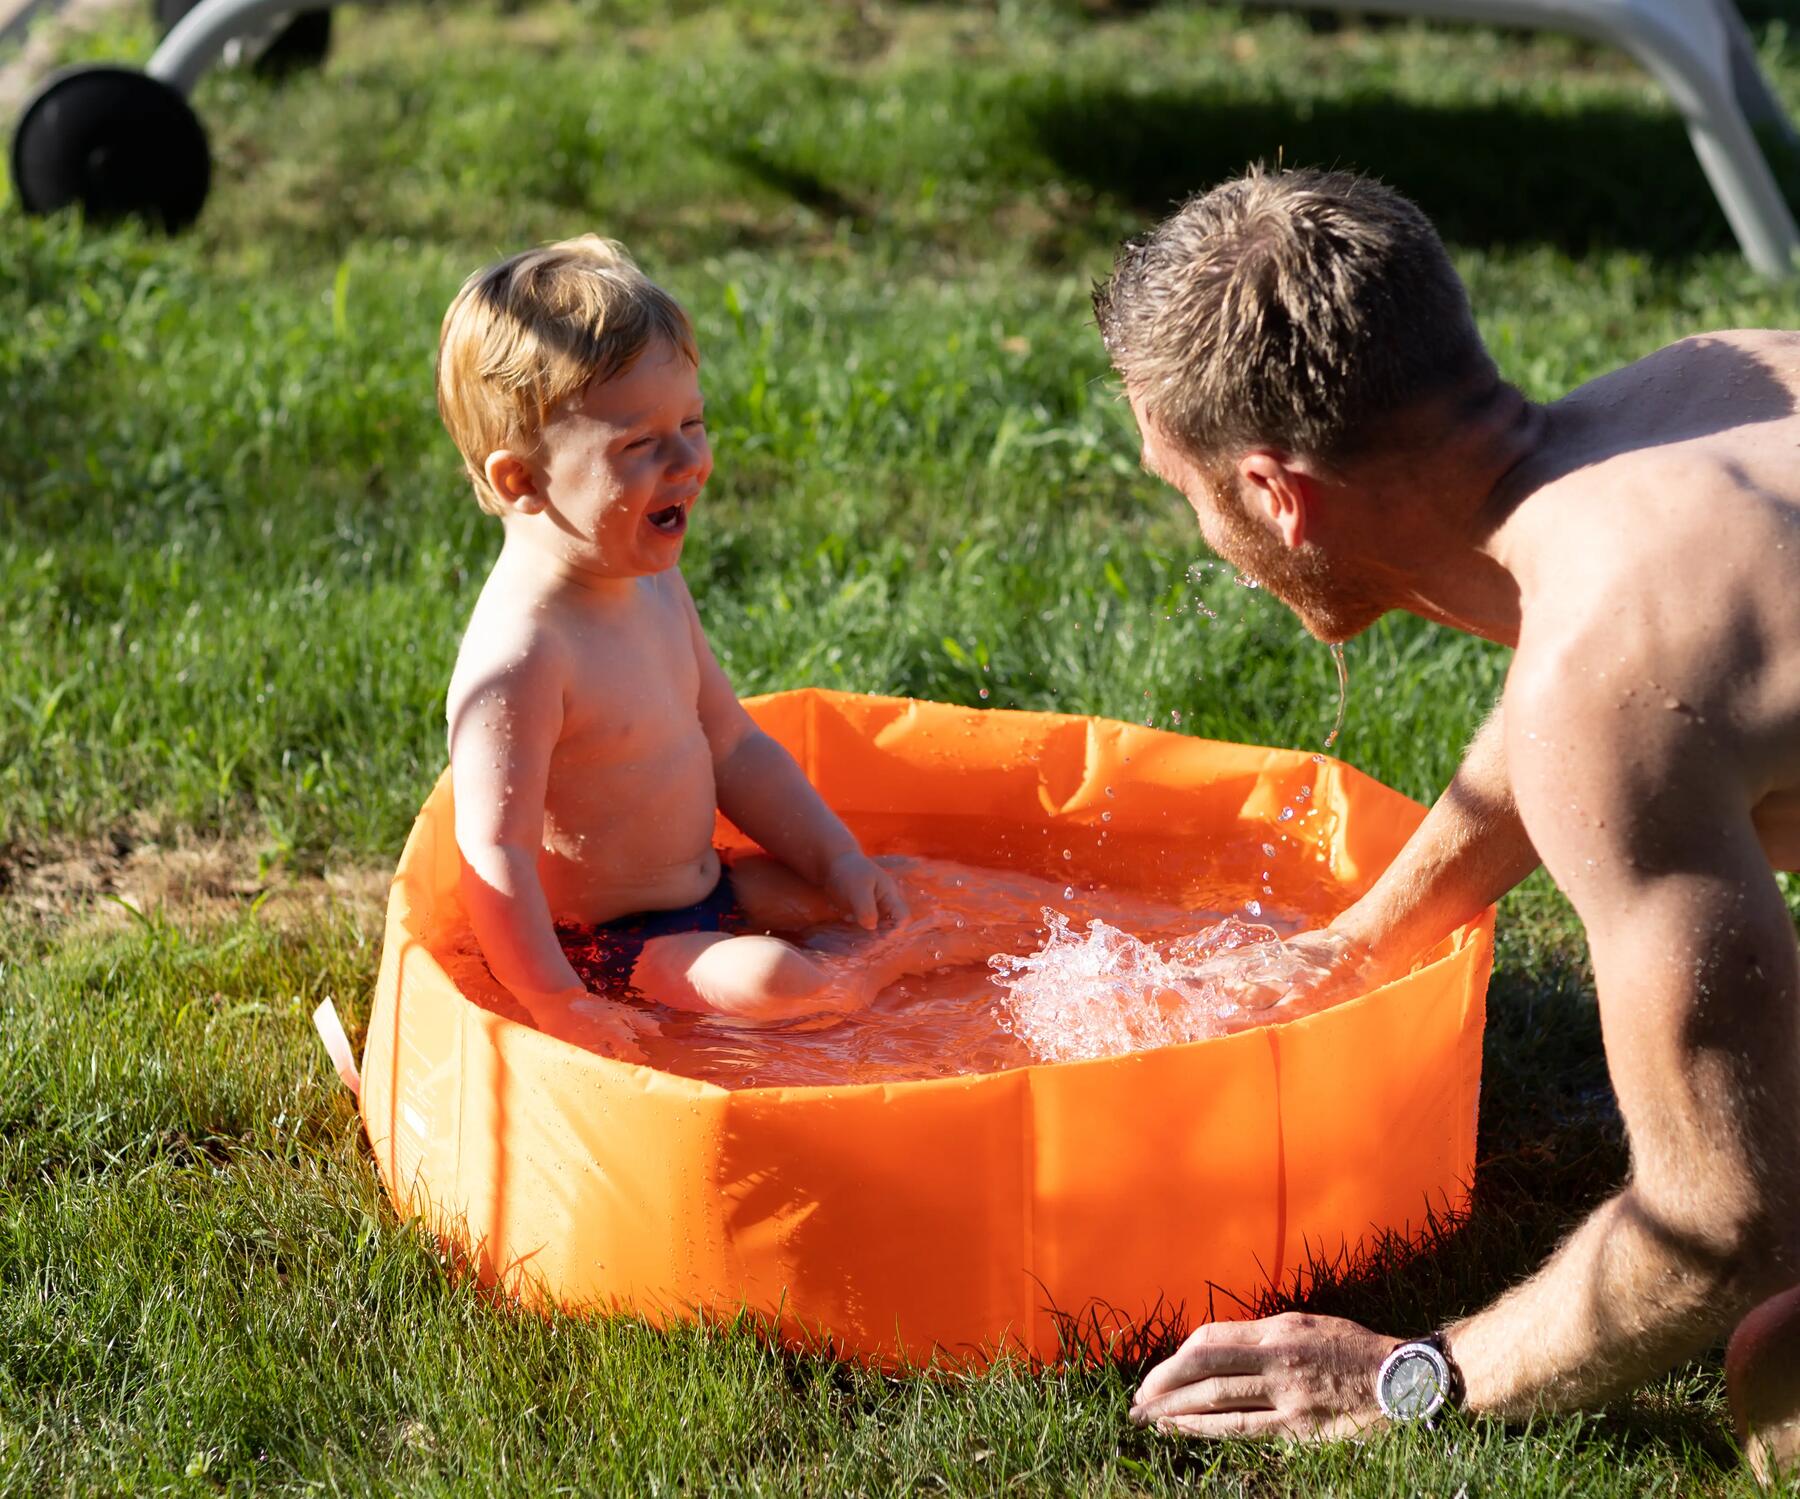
[1294, 308]
[530, 332]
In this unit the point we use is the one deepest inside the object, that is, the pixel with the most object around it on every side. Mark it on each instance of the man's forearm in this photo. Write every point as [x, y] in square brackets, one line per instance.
[1698, 981]
[1469, 851]
[1630, 1294]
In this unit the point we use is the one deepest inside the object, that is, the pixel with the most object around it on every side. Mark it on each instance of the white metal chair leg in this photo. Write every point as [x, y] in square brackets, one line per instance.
[1708, 92]
[1760, 104]
[1700, 52]
[200, 37]
[1747, 190]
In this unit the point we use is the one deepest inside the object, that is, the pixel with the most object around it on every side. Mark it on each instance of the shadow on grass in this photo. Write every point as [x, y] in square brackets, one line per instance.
[804, 186]
[1584, 178]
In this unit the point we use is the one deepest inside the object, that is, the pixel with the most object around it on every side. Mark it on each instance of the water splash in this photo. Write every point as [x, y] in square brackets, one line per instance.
[1103, 992]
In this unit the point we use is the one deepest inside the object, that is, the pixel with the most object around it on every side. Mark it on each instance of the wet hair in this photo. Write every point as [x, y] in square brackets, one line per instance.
[528, 333]
[1292, 309]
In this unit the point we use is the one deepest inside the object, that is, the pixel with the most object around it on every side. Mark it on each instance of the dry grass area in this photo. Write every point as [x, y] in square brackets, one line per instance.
[189, 879]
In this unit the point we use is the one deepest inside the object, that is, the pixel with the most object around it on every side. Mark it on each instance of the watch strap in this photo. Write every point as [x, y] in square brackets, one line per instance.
[1440, 1340]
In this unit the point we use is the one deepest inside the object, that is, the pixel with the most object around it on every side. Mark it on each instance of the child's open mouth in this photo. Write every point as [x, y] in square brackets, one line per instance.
[671, 520]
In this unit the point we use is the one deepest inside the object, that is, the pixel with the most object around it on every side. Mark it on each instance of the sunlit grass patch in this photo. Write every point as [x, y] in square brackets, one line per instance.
[238, 552]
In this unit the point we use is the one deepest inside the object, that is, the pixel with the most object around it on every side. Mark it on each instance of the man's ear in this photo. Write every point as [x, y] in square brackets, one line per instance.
[1282, 492]
[514, 480]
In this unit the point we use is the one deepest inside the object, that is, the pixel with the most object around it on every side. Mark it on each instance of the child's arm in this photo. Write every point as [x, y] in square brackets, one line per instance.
[502, 729]
[766, 794]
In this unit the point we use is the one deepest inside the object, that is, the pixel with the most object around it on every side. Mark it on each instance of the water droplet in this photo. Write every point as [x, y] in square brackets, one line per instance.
[1287, 814]
[1067, 854]
[1254, 907]
[984, 693]
[1106, 817]
[1068, 892]
[1269, 850]
[1175, 715]
[1110, 791]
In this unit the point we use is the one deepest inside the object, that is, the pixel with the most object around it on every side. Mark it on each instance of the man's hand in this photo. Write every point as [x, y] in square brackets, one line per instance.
[1289, 1376]
[864, 890]
[1300, 974]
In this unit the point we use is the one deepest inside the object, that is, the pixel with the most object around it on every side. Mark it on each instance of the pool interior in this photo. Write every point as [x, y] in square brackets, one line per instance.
[951, 1023]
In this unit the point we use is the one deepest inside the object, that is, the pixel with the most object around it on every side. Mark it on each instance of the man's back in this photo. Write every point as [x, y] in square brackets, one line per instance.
[1657, 552]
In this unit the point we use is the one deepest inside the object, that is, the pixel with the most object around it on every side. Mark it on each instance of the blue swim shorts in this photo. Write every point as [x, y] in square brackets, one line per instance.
[603, 955]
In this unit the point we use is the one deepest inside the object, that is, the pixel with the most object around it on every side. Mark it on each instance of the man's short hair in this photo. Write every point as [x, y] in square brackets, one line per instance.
[1292, 309]
[530, 332]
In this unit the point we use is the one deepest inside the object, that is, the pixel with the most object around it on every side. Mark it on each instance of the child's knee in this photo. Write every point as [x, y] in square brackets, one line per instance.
[768, 968]
[755, 977]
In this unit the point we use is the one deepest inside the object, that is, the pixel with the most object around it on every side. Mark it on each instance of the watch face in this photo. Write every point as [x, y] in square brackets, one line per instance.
[1413, 1387]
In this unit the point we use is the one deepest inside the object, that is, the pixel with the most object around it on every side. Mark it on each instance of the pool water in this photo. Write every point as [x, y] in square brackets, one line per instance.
[1069, 973]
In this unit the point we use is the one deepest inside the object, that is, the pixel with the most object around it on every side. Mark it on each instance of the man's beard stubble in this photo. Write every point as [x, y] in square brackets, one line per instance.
[1332, 603]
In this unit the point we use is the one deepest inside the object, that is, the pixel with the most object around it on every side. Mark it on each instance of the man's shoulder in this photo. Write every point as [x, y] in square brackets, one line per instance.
[1630, 685]
[1701, 386]
[1722, 352]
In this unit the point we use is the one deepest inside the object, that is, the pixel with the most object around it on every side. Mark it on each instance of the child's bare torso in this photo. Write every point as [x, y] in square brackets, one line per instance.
[629, 799]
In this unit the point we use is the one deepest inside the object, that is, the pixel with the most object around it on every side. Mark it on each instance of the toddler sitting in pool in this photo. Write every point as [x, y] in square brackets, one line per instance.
[593, 736]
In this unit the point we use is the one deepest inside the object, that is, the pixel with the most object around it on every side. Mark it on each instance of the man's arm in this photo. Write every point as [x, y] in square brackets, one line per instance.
[1468, 852]
[1644, 820]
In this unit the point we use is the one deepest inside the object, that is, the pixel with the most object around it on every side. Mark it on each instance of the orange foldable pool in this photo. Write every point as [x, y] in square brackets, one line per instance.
[957, 1216]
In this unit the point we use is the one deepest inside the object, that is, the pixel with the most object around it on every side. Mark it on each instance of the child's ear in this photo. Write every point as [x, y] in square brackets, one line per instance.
[513, 479]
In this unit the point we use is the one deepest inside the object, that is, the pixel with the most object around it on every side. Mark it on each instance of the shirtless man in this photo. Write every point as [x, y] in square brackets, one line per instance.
[1303, 366]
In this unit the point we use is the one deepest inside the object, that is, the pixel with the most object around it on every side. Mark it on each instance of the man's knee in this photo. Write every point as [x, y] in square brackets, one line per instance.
[1762, 1379]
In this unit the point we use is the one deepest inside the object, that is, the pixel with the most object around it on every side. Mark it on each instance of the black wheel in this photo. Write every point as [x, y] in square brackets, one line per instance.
[302, 41]
[116, 141]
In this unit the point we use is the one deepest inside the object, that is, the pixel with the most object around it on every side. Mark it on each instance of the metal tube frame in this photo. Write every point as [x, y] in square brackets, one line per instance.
[1701, 53]
[1718, 96]
[199, 38]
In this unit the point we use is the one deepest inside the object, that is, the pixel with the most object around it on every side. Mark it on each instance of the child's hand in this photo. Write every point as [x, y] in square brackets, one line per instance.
[588, 1020]
[864, 889]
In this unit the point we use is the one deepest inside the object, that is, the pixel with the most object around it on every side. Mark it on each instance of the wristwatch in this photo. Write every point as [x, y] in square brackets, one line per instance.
[1417, 1380]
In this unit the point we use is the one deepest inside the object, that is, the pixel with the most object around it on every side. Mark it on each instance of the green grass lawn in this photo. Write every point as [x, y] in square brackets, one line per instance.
[237, 552]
